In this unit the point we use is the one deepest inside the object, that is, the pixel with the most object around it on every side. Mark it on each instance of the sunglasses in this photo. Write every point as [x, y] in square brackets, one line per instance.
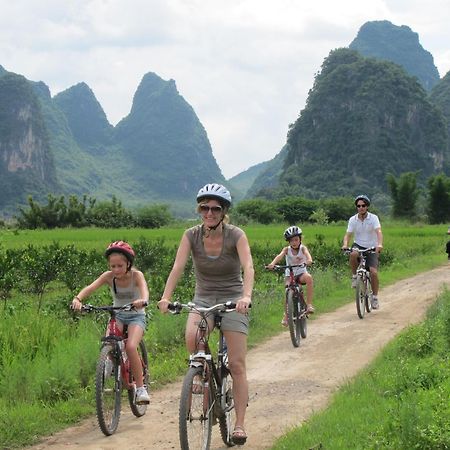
[205, 209]
[361, 205]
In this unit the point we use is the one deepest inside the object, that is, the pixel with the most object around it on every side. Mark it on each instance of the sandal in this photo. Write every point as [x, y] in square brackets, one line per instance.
[197, 385]
[284, 321]
[239, 436]
[310, 309]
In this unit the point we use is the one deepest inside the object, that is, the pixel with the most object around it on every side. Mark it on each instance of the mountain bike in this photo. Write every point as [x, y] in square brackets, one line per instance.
[113, 372]
[207, 391]
[364, 293]
[296, 307]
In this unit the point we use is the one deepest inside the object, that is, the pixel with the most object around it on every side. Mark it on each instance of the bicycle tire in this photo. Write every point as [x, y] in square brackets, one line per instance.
[227, 420]
[294, 322]
[140, 410]
[303, 321]
[360, 297]
[108, 390]
[369, 294]
[195, 414]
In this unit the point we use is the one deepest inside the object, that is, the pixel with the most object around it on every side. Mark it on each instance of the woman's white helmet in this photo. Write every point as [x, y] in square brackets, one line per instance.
[290, 232]
[216, 191]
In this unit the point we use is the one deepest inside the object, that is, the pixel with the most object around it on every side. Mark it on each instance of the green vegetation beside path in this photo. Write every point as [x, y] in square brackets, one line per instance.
[48, 354]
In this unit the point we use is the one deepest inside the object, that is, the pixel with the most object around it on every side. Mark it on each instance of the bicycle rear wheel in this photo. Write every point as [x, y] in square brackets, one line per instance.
[360, 297]
[195, 416]
[140, 410]
[226, 422]
[369, 294]
[293, 320]
[302, 315]
[108, 390]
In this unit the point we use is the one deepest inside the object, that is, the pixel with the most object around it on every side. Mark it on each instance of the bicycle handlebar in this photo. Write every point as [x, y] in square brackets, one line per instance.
[89, 308]
[286, 266]
[177, 307]
[348, 250]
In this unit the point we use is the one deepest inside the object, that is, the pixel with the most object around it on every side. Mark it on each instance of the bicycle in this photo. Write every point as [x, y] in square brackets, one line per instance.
[207, 391]
[296, 307]
[364, 291]
[113, 372]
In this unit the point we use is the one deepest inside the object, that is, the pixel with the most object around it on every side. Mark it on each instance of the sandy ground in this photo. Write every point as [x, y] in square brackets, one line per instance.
[338, 345]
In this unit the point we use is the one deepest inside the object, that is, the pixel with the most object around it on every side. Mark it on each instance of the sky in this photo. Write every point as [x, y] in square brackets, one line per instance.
[245, 66]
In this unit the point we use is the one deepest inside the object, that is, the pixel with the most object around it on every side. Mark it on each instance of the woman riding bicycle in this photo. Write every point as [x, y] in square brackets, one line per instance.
[296, 253]
[219, 251]
[127, 285]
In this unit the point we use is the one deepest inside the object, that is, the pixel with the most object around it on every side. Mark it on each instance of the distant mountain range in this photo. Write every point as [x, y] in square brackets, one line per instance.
[65, 145]
[375, 107]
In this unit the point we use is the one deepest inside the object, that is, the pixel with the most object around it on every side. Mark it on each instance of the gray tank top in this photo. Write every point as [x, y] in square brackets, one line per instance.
[217, 277]
[125, 295]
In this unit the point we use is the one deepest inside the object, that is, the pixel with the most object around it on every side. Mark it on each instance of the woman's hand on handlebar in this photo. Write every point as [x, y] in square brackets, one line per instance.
[76, 304]
[163, 305]
[243, 305]
[270, 266]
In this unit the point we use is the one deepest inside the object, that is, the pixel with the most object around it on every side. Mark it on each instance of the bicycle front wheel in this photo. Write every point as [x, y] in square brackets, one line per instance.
[369, 294]
[195, 416]
[108, 389]
[140, 410]
[293, 320]
[360, 297]
[227, 420]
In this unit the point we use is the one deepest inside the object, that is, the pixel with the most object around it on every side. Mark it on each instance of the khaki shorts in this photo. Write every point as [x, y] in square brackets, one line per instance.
[231, 321]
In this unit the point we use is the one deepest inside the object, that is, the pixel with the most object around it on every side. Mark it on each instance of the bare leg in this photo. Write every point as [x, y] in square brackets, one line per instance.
[135, 333]
[237, 351]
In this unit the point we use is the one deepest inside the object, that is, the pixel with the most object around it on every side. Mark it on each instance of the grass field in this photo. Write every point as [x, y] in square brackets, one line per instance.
[47, 360]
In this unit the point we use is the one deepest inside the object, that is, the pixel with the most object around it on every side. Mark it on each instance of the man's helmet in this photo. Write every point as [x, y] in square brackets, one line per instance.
[364, 198]
[121, 247]
[216, 191]
[291, 232]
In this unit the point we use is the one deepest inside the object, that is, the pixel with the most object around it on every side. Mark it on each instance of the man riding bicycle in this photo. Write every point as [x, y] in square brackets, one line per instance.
[366, 229]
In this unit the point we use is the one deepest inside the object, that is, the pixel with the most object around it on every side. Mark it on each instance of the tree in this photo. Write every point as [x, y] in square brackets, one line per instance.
[438, 208]
[404, 194]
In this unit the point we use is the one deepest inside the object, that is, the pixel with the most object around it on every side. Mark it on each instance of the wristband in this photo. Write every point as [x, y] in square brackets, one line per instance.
[78, 298]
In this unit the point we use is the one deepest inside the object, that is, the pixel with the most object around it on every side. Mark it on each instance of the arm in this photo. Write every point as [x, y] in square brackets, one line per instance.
[346, 240]
[380, 240]
[245, 258]
[88, 290]
[181, 258]
[143, 290]
[277, 258]
[309, 260]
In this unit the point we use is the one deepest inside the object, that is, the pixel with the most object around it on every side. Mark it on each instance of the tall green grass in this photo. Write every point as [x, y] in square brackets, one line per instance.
[47, 361]
[401, 401]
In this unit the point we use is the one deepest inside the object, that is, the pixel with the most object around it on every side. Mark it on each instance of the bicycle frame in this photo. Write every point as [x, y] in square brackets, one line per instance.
[113, 372]
[296, 309]
[217, 404]
[363, 282]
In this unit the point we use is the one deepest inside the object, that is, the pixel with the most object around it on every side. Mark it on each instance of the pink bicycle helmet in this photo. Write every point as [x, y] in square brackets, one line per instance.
[121, 247]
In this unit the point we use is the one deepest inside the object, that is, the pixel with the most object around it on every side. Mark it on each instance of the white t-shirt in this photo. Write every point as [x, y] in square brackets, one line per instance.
[364, 230]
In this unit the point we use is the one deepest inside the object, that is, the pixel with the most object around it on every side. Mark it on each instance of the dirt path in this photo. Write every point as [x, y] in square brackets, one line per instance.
[339, 344]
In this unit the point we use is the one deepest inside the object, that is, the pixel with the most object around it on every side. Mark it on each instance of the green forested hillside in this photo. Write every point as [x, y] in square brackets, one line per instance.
[167, 145]
[86, 118]
[26, 163]
[364, 118]
[383, 40]
[440, 96]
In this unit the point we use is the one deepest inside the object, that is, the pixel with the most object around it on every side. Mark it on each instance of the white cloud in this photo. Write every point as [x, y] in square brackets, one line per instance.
[245, 66]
